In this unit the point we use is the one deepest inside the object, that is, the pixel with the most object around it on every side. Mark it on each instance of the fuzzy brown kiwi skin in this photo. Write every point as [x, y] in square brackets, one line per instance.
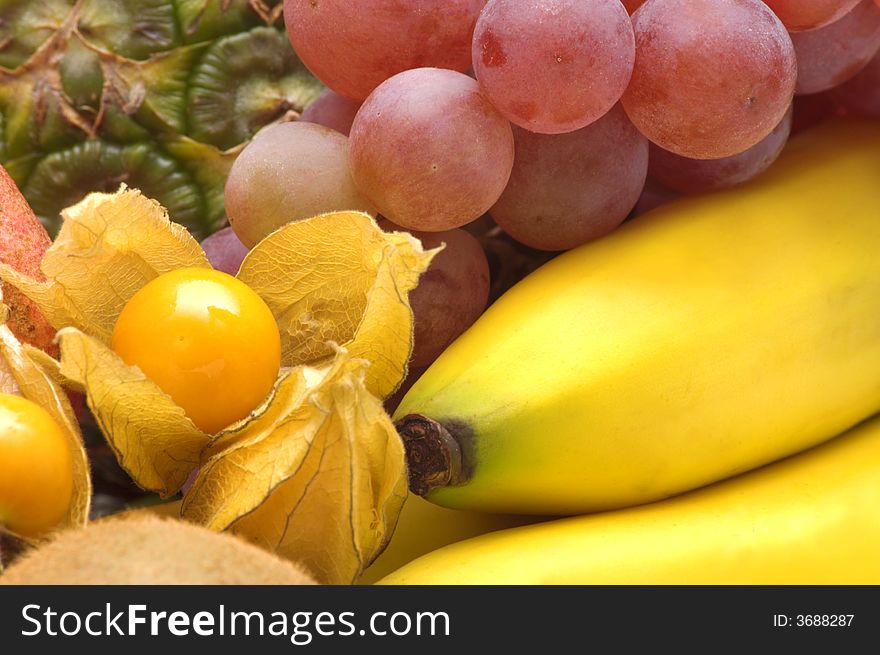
[150, 550]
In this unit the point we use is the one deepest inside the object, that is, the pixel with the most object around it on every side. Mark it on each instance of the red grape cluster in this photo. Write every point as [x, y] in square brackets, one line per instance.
[552, 116]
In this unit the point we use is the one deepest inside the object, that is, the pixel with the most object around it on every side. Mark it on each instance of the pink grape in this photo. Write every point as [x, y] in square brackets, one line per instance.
[860, 96]
[711, 79]
[354, 46]
[831, 55]
[553, 66]
[225, 251]
[331, 110]
[289, 172]
[800, 15]
[451, 294]
[699, 175]
[429, 150]
[567, 189]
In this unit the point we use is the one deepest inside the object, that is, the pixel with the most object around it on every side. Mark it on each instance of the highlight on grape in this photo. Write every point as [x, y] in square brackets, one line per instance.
[511, 130]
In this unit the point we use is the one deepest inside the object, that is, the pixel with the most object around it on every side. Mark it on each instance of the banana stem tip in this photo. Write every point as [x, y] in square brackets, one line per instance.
[433, 453]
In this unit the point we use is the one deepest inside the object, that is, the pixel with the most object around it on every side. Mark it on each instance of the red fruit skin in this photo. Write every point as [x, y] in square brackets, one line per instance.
[632, 5]
[23, 242]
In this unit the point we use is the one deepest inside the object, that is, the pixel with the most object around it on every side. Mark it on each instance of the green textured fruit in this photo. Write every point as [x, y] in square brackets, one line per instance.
[158, 94]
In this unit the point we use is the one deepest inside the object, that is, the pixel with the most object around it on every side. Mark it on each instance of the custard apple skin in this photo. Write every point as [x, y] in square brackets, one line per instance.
[157, 94]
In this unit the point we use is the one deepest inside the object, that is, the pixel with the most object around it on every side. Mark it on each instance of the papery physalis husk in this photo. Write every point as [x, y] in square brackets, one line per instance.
[21, 373]
[318, 476]
[150, 434]
[338, 278]
[317, 472]
[109, 246]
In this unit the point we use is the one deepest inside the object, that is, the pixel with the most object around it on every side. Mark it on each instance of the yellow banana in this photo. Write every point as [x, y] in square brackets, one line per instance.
[810, 519]
[423, 527]
[706, 338]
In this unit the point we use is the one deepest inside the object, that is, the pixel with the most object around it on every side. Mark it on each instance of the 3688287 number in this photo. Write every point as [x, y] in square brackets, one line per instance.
[824, 620]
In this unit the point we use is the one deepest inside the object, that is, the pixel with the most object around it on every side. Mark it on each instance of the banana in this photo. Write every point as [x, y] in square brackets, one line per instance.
[706, 338]
[809, 519]
[423, 527]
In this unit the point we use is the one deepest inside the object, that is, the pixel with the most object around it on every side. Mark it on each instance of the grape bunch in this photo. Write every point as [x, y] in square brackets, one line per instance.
[553, 121]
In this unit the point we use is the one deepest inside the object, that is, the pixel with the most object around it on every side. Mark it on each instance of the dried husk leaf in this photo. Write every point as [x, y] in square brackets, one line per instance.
[52, 368]
[154, 440]
[318, 476]
[338, 278]
[109, 247]
[7, 378]
[21, 375]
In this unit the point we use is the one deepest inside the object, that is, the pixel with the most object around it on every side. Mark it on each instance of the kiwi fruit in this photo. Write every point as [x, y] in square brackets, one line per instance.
[146, 549]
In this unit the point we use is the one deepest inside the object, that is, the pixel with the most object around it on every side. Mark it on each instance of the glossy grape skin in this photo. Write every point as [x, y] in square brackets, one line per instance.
[36, 468]
[701, 175]
[429, 150]
[801, 15]
[225, 250]
[287, 173]
[711, 79]
[331, 110]
[206, 339]
[567, 189]
[354, 46]
[553, 66]
[860, 96]
[831, 55]
[451, 294]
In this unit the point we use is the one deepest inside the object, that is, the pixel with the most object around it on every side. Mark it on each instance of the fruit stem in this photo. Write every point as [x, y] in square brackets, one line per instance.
[433, 453]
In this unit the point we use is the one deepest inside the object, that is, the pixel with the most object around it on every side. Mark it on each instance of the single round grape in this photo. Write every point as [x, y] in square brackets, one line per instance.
[553, 66]
[355, 46]
[711, 79]
[700, 175]
[800, 15]
[429, 150]
[567, 189]
[860, 96]
[831, 55]
[206, 339]
[331, 110]
[289, 172]
[225, 251]
[451, 294]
